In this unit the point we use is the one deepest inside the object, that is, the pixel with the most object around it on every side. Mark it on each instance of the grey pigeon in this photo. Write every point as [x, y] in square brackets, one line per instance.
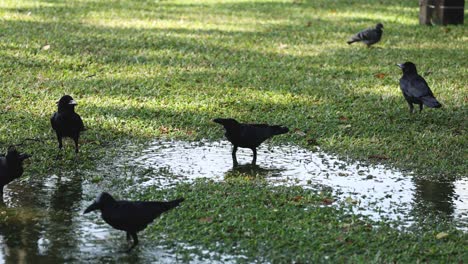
[415, 88]
[368, 36]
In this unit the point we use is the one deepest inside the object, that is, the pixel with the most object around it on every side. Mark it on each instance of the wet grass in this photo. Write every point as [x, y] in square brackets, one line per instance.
[146, 69]
[253, 221]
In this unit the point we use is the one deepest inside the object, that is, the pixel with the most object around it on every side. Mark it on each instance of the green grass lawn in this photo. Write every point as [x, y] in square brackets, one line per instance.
[143, 69]
[146, 69]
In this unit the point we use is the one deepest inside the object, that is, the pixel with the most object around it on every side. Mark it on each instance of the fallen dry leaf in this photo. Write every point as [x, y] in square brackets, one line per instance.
[327, 201]
[297, 198]
[164, 130]
[343, 118]
[442, 235]
[380, 75]
[298, 132]
[205, 220]
[46, 47]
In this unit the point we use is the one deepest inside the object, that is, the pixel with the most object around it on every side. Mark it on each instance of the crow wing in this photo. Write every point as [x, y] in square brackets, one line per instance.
[418, 87]
[133, 216]
[252, 135]
[76, 119]
[53, 120]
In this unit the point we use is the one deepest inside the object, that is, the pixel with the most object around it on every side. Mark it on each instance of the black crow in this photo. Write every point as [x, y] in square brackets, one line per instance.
[11, 167]
[128, 216]
[248, 135]
[66, 122]
[415, 88]
[368, 36]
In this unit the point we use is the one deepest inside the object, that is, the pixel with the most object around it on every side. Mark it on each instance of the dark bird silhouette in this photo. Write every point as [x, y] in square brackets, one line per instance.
[368, 36]
[415, 88]
[128, 216]
[66, 122]
[248, 135]
[11, 167]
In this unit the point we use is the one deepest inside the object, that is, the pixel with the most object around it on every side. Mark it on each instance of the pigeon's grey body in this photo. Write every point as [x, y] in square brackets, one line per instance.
[368, 36]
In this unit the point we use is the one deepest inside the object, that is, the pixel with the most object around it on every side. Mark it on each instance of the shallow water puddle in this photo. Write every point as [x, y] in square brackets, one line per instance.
[371, 190]
[45, 222]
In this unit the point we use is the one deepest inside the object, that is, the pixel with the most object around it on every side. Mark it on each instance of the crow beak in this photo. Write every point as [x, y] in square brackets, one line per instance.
[72, 102]
[401, 65]
[92, 207]
[217, 120]
[24, 156]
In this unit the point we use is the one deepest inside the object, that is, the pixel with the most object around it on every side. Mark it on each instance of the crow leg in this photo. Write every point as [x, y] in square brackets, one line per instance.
[135, 241]
[76, 143]
[254, 156]
[128, 236]
[411, 108]
[420, 107]
[234, 158]
[59, 138]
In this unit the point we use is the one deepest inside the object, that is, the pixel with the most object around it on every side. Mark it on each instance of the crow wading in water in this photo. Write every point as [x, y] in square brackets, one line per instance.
[130, 216]
[415, 88]
[248, 135]
[11, 167]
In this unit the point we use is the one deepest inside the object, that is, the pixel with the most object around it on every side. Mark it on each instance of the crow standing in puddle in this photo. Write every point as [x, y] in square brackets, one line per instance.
[248, 135]
[415, 88]
[368, 36]
[128, 216]
[66, 122]
[11, 167]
